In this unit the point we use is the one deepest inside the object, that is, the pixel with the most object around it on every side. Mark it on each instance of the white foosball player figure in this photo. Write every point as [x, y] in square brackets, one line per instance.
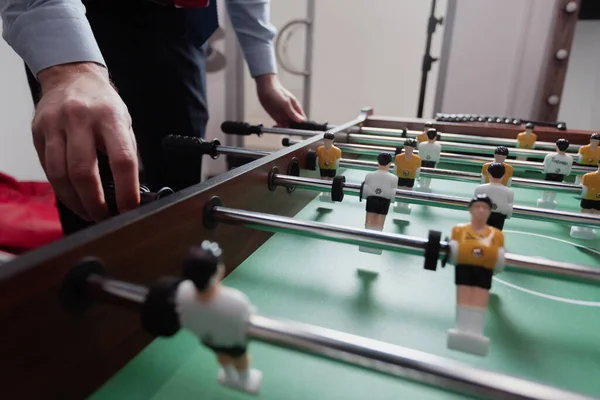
[379, 188]
[502, 196]
[590, 203]
[429, 152]
[556, 166]
[218, 316]
[477, 252]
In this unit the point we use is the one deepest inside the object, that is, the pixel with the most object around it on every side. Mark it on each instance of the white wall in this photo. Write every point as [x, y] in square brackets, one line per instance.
[17, 154]
[581, 95]
[363, 56]
[496, 56]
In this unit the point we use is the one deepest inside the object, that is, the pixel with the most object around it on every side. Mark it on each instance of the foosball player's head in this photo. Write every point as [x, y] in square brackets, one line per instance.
[432, 134]
[501, 154]
[384, 160]
[328, 140]
[529, 127]
[409, 146]
[496, 171]
[203, 265]
[428, 125]
[480, 208]
[595, 139]
[562, 145]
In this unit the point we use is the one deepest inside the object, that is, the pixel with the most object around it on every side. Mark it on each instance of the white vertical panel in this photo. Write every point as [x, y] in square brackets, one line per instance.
[496, 56]
[580, 104]
[17, 154]
[366, 53]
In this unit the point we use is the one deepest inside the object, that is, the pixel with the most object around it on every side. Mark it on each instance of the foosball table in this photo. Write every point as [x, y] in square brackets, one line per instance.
[366, 259]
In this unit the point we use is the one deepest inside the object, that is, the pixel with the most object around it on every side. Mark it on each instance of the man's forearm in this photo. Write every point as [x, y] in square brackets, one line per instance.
[46, 33]
[250, 19]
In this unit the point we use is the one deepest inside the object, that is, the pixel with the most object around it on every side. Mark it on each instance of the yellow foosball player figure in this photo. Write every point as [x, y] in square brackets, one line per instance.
[477, 251]
[590, 203]
[500, 155]
[218, 315]
[379, 188]
[328, 160]
[422, 137]
[407, 168]
[589, 154]
[526, 140]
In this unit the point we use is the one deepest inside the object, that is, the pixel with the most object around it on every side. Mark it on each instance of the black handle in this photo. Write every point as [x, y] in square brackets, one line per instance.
[240, 128]
[192, 146]
[309, 126]
[287, 142]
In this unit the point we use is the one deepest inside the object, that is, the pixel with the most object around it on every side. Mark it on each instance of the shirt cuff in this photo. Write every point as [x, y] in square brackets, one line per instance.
[52, 36]
[260, 59]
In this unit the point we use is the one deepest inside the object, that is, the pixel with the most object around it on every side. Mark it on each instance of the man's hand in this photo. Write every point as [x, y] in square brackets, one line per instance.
[277, 101]
[78, 114]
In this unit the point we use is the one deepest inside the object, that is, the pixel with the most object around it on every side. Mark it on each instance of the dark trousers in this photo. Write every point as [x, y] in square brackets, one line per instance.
[159, 72]
[496, 220]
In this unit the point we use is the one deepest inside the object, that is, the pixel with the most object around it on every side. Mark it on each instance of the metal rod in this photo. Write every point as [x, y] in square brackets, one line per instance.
[336, 233]
[469, 176]
[446, 146]
[307, 92]
[393, 242]
[459, 138]
[438, 200]
[462, 159]
[383, 133]
[362, 352]
[116, 292]
[426, 172]
[241, 151]
[399, 361]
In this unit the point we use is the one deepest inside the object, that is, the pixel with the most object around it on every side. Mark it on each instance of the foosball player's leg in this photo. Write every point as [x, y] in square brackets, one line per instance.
[425, 182]
[471, 307]
[584, 232]
[547, 200]
[578, 179]
[329, 175]
[373, 221]
[400, 207]
[237, 374]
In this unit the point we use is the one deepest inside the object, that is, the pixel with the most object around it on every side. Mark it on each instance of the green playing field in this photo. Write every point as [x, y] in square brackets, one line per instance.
[540, 328]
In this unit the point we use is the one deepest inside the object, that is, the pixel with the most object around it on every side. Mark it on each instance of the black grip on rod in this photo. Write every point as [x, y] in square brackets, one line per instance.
[309, 126]
[191, 146]
[240, 128]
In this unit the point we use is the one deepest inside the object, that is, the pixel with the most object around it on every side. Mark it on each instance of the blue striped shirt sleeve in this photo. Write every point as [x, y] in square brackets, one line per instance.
[45, 33]
[256, 34]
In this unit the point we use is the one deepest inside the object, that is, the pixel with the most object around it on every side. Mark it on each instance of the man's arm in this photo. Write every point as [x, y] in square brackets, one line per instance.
[46, 33]
[250, 19]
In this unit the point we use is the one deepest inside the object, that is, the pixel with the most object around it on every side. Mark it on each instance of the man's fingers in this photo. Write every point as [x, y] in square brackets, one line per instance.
[82, 161]
[55, 165]
[294, 110]
[117, 136]
[298, 107]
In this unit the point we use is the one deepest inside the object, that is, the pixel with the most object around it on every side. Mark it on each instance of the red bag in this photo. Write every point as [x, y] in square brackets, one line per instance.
[28, 215]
